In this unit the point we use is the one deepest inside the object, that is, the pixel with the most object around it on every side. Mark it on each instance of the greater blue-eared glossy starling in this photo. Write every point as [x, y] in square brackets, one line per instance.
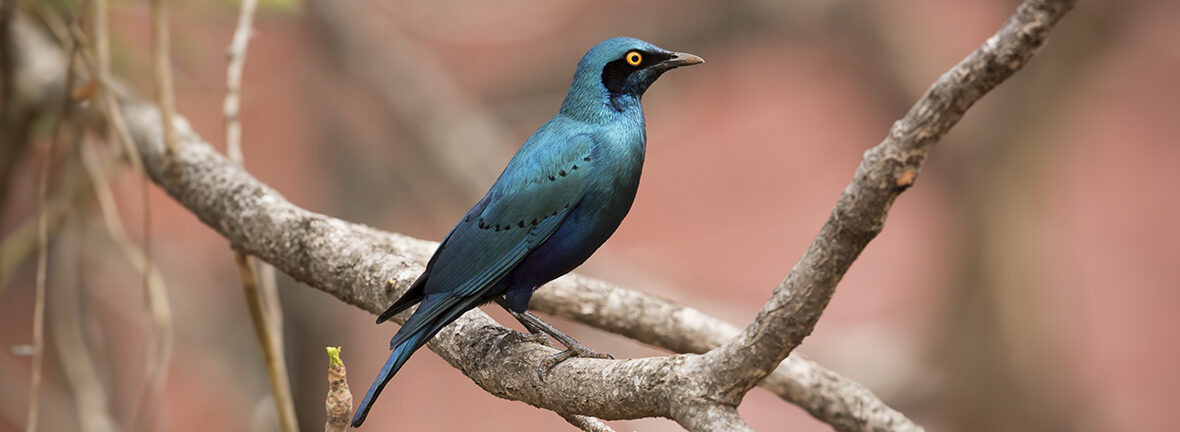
[560, 197]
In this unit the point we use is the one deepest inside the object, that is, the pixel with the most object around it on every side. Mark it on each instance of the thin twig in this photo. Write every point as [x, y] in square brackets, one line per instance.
[99, 20]
[233, 81]
[268, 284]
[154, 292]
[156, 300]
[588, 424]
[43, 247]
[276, 368]
[160, 345]
[109, 108]
[338, 403]
[39, 302]
[67, 319]
[261, 297]
[162, 68]
[21, 242]
[112, 222]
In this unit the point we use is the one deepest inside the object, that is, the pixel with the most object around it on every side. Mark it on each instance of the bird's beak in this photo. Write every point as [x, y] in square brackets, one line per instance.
[680, 59]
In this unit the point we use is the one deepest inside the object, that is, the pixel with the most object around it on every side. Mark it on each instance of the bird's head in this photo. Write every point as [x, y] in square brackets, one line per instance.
[617, 71]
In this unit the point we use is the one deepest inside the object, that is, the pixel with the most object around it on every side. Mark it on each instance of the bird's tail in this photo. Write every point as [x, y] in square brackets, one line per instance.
[418, 334]
[397, 358]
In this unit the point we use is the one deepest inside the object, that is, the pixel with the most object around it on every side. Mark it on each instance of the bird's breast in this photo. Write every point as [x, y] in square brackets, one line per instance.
[615, 179]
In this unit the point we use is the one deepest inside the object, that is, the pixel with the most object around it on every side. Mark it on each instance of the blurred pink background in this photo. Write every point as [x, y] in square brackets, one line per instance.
[1029, 281]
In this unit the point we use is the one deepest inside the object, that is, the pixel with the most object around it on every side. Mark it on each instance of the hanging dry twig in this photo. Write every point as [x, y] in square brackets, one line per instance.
[155, 294]
[262, 314]
[275, 366]
[162, 69]
[43, 246]
[233, 81]
[159, 311]
[68, 323]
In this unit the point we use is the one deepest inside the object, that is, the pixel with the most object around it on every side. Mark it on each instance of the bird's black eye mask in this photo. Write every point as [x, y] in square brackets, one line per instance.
[615, 73]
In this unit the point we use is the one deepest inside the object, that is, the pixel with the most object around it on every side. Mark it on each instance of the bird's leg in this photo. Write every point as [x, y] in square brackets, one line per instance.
[531, 325]
[536, 334]
[573, 348]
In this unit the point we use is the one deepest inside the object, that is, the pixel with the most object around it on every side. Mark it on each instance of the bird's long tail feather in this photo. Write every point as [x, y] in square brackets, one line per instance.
[397, 358]
[403, 348]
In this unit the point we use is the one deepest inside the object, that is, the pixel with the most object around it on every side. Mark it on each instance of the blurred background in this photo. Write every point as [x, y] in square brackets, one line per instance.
[1029, 281]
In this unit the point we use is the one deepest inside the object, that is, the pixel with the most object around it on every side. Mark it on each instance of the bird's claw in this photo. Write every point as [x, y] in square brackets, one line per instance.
[575, 351]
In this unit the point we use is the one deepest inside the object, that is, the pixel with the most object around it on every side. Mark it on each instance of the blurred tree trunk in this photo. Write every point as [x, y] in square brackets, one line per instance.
[1003, 365]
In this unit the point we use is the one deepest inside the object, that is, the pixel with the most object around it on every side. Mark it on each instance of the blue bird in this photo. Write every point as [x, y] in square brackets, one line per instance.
[560, 197]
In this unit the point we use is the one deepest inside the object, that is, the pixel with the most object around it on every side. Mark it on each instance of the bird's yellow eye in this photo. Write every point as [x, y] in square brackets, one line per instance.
[634, 58]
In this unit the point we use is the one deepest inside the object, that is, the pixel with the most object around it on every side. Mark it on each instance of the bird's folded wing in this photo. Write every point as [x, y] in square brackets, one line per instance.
[525, 206]
[436, 308]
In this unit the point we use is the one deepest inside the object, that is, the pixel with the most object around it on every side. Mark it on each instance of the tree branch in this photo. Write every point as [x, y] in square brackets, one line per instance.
[886, 171]
[838, 401]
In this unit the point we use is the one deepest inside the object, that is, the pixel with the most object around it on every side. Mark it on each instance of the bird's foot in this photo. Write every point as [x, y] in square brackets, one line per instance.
[576, 350]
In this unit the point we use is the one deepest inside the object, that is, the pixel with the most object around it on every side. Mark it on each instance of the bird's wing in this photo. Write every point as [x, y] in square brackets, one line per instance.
[526, 205]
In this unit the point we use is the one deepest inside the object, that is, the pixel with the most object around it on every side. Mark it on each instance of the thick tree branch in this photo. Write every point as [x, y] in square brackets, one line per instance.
[838, 401]
[885, 172]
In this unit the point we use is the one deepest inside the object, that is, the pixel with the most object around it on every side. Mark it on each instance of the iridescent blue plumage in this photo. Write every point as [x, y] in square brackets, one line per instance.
[560, 197]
